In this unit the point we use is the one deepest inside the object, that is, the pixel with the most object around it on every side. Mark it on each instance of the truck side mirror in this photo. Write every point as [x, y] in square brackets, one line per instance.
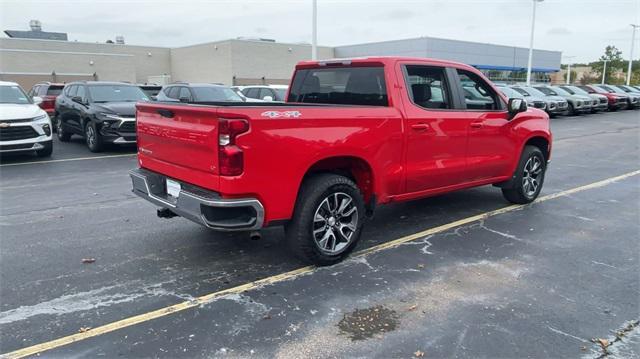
[515, 106]
[77, 99]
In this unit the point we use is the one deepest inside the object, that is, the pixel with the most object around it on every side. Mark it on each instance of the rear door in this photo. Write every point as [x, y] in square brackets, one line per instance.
[436, 132]
[490, 148]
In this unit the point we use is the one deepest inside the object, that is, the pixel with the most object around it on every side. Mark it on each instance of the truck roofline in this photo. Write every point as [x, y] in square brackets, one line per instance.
[381, 59]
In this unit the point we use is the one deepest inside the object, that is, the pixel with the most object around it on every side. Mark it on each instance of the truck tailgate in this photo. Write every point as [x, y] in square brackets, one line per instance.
[179, 141]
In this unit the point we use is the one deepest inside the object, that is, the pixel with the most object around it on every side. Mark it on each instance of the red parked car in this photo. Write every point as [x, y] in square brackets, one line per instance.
[616, 101]
[354, 134]
[48, 92]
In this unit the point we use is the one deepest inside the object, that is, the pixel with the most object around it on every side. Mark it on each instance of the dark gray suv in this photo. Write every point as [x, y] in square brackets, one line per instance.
[197, 92]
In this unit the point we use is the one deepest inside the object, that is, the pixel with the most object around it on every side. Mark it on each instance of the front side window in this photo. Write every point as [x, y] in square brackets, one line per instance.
[340, 85]
[13, 95]
[547, 91]
[71, 91]
[185, 94]
[428, 86]
[478, 95]
[116, 93]
[81, 93]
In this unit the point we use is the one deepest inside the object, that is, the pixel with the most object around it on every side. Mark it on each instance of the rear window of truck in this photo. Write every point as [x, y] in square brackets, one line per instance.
[340, 85]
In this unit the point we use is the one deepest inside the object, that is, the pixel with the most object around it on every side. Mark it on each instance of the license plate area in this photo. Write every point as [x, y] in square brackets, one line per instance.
[173, 188]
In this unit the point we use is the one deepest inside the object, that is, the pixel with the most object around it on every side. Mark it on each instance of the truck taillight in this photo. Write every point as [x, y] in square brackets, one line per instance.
[230, 156]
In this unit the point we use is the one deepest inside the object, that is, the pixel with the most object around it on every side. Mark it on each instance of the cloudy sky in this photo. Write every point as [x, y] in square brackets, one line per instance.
[580, 28]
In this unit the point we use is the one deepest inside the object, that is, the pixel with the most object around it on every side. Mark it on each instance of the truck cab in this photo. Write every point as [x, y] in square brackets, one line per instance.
[352, 135]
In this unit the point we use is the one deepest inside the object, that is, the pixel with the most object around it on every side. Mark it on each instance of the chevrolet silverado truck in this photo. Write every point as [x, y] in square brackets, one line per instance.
[353, 134]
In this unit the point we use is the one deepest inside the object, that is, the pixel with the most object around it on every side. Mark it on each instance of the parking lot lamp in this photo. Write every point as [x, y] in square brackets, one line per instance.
[569, 69]
[604, 69]
[633, 40]
[314, 30]
[533, 27]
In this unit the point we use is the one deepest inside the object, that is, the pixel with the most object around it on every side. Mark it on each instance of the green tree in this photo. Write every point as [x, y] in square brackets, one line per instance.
[613, 56]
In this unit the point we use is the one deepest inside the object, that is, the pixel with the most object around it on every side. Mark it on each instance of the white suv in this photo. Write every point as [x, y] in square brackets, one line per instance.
[23, 125]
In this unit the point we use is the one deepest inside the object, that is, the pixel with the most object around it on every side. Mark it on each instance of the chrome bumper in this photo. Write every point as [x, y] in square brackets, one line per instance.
[199, 205]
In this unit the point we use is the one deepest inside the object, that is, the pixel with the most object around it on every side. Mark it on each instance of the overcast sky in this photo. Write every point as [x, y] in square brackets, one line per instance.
[580, 28]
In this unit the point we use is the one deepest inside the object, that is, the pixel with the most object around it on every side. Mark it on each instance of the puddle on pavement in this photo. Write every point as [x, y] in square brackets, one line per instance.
[366, 323]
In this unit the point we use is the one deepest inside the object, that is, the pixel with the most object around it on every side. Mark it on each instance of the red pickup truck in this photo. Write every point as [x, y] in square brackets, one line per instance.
[353, 134]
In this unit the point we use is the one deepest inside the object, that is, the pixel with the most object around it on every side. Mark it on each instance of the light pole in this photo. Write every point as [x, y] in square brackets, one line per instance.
[533, 27]
[633, 40]
[604, 70]
[314, 31]
[569, 69]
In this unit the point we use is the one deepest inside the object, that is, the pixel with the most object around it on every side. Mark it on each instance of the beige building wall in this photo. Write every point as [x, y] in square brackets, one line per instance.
[29, 58]
[239, 62]
[261, 62]
[209, 62]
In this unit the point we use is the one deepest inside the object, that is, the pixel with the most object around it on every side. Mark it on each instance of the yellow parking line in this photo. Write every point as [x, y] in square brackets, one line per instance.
[141, 318]
[67, 160]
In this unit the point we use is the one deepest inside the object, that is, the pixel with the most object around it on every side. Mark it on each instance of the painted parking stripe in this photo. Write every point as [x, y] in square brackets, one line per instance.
[67, 160]
[145, 317]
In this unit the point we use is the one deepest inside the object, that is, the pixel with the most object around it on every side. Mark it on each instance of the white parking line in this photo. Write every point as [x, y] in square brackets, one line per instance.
[67, 160]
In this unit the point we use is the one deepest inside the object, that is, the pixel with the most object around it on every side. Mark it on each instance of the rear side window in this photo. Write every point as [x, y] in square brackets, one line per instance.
[478, 94]
[340, 85]
[185, 93]
[428, 86]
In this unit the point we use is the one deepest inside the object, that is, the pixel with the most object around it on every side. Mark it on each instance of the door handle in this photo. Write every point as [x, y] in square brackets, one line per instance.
[420, 126]
[165, 113]
[476, 124]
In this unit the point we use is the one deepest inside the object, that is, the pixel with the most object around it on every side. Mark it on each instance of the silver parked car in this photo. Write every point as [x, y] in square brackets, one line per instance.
[556, 105]
[600, 101]
[577, 103]
[531, 101]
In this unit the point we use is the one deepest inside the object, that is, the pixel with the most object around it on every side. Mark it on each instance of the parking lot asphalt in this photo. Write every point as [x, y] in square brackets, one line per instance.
[537, 281]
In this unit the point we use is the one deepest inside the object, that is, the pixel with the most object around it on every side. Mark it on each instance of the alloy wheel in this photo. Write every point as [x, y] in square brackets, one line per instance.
[335, 223]
[532, 176]
[91, 136]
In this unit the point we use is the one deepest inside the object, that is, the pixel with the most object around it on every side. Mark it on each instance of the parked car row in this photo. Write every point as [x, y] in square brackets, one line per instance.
[104, 112]
[575, 99]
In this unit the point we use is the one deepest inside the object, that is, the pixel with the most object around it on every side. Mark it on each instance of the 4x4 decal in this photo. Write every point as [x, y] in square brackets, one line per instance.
[279, 114]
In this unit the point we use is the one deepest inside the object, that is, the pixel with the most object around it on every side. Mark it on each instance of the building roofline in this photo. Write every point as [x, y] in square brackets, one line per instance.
[426, 38]
[83, 42]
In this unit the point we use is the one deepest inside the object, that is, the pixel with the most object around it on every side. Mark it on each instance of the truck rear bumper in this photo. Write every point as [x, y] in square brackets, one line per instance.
[199, 205]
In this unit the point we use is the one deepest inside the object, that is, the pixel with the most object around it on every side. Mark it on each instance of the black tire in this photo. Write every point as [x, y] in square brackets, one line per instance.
[63, 135]
[46, 151]
[300, 231]
[572, 111]
[92, 137]
[520, 192]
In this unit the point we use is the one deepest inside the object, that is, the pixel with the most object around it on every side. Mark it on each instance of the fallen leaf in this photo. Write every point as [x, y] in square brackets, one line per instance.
[604, 343]
[418, 354]
[88, 260]
[266, 317]
[413, 307]
[583, 348]
[84, 329]
[420, 266]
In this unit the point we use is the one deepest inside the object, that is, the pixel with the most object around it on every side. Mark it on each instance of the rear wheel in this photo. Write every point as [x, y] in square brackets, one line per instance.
[327, 221]
[529, 177]
[93, 138]
[63, 136]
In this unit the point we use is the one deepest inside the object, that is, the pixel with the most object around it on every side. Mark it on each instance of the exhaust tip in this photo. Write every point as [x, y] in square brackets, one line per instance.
[255, 235]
